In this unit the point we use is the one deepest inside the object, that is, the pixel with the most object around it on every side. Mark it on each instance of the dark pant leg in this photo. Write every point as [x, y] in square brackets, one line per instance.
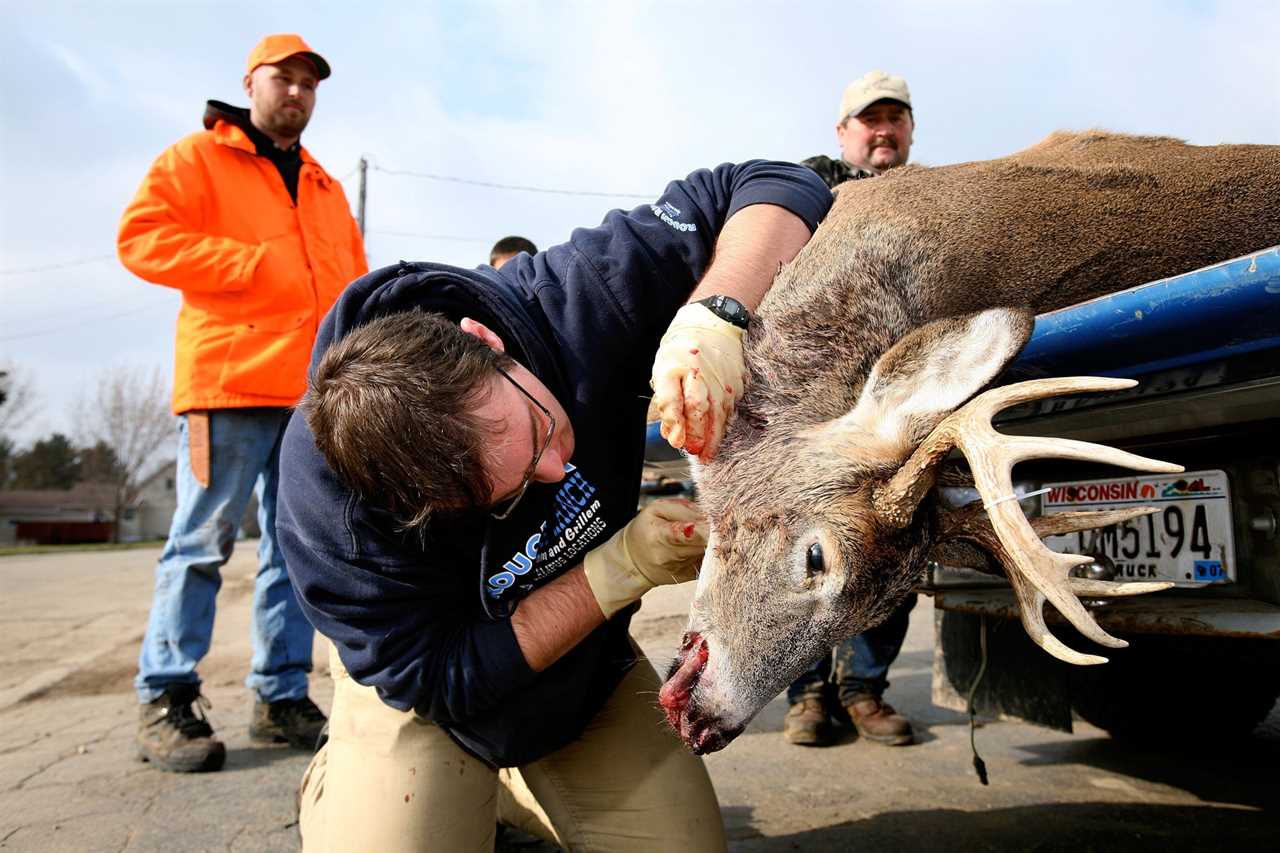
[812, 683]
[862, 662]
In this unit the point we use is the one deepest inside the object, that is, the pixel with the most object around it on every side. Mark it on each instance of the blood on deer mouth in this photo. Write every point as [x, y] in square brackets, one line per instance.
[701, 734]
[683, 677]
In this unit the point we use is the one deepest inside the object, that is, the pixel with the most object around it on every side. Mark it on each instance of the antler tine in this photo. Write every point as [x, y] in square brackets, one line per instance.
[1072, 522]
[1114, 589]
[1037, 573]
[1031, 607]
[895, 502]
[1044, 569]
[998, 399]
[970, 523]
[1017, 449]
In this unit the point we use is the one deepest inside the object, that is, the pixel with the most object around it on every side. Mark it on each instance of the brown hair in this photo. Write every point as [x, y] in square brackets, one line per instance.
[390, 406]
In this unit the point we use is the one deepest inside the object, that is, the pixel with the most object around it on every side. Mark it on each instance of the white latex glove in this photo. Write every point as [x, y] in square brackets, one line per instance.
[663, 544]
[698, 376]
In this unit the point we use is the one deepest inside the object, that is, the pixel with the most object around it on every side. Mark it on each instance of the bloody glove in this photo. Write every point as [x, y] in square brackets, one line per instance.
[663, 544]
[698, 377]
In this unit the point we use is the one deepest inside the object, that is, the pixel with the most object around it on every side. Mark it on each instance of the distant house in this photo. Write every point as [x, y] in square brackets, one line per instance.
[151, 513]
[56, 517]
[84, 513]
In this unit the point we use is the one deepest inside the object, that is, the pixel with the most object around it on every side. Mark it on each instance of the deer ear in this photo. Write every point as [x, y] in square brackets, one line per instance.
[934, 369]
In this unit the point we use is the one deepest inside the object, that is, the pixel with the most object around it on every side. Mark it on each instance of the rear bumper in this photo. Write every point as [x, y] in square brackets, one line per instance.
[1182, 615]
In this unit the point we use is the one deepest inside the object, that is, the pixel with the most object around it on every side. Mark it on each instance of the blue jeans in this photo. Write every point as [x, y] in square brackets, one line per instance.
[861, 662]
[244, 453]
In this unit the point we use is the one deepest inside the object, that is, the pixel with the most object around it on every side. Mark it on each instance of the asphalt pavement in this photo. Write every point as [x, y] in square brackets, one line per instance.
[69, 780]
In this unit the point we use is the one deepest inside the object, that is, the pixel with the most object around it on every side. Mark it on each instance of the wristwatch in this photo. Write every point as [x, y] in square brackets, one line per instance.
[728, 309]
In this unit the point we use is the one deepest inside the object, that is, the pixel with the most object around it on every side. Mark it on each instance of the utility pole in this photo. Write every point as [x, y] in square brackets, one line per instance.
[364, 180]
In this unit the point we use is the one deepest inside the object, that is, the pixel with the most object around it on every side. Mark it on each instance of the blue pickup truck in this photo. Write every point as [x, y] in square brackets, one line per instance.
[1205, 347]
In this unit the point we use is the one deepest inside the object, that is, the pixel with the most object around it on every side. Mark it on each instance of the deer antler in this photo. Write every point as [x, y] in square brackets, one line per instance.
[1036, 572]
[969, 523]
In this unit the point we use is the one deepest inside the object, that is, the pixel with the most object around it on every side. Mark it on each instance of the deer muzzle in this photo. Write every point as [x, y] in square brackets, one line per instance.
[701, 732]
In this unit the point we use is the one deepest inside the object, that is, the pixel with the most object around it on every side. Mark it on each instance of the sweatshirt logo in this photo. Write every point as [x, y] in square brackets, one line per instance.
[668, 213]
[577, 523]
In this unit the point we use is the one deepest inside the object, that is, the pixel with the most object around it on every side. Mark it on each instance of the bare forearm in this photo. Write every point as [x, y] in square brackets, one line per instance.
[751, 246]
[555, 618]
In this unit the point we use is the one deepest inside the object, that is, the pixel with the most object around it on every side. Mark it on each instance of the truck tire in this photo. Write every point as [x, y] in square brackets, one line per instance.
[1180, 690]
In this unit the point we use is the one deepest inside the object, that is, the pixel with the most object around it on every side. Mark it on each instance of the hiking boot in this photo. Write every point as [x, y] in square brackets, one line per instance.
[877, 721]
[297, 722]
[807, 724]
[174, 735]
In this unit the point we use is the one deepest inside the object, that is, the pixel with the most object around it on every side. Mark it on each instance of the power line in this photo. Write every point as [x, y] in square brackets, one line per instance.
[350, 172]
[382, 233]
[57, 266]
[498, 186]
[395, 172]
[78, 324]
[82, 310]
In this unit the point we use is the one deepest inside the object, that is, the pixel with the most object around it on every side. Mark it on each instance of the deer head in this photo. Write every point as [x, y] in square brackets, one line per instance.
[818, 530]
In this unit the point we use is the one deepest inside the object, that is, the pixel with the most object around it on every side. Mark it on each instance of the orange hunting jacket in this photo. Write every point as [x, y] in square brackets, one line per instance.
[257, 273]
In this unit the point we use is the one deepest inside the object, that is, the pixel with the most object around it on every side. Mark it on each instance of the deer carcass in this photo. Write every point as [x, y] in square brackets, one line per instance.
[912, 297]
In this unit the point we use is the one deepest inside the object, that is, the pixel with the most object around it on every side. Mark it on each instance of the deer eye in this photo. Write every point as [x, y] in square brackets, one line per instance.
[813, 561]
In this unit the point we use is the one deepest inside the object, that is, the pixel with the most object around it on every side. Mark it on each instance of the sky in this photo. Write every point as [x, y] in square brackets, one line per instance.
[595, 97]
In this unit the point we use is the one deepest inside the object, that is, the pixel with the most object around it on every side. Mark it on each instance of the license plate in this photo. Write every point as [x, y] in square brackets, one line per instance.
[1187, 541]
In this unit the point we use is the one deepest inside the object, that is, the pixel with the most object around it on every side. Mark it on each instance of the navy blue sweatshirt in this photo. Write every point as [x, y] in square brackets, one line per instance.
[420, 615]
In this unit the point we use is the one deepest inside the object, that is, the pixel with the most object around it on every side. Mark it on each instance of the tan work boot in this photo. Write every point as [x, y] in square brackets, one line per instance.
[807, 724]
[297, 722]
[877, 721]
[174, 735]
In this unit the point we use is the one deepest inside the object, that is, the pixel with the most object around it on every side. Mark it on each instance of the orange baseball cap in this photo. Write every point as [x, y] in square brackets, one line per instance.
[273, 49]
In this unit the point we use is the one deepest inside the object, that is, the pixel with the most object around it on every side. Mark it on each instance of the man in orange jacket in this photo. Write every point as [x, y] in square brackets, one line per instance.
[260, 240]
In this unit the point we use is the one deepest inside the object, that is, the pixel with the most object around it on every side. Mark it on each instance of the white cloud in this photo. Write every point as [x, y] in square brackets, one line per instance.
[93, 83]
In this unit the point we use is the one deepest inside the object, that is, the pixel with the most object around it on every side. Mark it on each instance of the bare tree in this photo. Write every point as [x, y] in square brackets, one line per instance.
[128, 411]
[17, 397]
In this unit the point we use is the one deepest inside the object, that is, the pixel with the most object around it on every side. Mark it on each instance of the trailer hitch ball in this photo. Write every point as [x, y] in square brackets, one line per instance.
[1100, 569]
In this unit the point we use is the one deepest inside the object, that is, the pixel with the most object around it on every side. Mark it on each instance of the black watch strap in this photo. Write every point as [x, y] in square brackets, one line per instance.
[728, 309]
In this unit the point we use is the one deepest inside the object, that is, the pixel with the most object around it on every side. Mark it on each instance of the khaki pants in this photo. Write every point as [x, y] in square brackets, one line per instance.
[391, 781]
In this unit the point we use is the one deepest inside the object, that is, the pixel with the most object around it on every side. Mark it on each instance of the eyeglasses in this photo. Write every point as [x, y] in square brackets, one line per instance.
[511, 502]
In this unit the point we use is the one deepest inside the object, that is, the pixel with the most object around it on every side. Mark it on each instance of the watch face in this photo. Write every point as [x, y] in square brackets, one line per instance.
[728, 309]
